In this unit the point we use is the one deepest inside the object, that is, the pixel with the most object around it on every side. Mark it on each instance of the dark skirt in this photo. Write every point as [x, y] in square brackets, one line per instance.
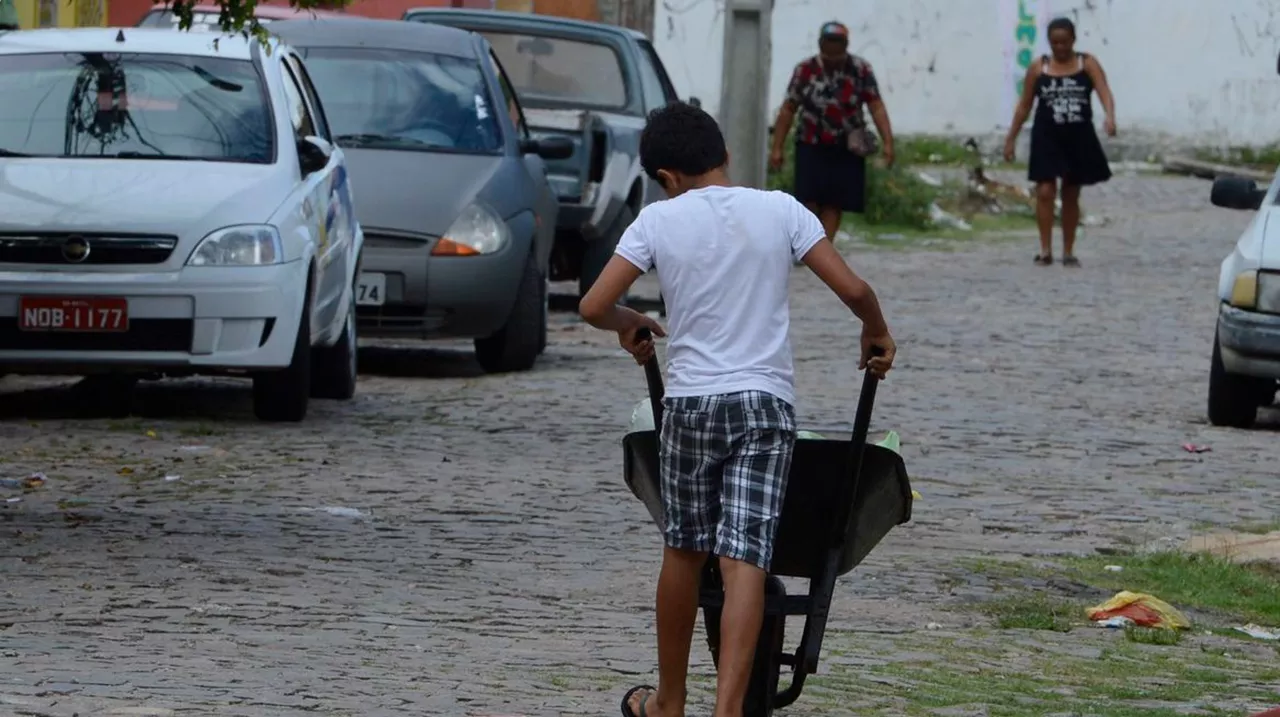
[829, 175]
[1071, 153]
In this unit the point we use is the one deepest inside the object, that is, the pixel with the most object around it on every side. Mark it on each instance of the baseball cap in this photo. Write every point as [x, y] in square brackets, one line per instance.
[833, 31]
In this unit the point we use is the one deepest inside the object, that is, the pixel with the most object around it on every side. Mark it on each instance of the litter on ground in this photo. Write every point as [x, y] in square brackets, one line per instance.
[1259, 632]
[31, 482]
[1142, 609]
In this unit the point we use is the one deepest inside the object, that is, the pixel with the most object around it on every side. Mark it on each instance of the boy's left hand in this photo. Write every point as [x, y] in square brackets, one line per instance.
[642, 350]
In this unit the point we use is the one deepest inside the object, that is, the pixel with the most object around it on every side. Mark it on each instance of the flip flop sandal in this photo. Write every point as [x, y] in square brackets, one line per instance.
[1044, 260]
[1070, 261]
[626, 700]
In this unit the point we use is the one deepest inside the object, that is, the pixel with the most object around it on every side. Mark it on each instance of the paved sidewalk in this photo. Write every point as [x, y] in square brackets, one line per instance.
[458, 544]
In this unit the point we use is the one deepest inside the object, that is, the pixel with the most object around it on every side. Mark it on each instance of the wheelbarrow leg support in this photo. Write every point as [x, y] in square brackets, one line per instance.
[711, 599]
[768, 663]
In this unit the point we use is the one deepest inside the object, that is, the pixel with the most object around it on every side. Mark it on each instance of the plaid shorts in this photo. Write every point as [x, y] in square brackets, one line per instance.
[725, 460]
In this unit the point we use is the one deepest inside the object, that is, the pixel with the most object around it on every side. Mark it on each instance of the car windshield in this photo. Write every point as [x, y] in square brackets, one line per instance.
[550, 71]
[392, 99]
[134, 105]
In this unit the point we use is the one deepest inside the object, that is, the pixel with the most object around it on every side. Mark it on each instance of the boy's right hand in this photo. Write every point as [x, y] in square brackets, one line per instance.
[877, 364]
[641, 348]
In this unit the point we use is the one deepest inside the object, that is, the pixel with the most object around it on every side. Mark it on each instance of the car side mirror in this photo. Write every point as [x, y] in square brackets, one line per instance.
[1236, 193]
[695, 101]
[313, 154]
[548, 147]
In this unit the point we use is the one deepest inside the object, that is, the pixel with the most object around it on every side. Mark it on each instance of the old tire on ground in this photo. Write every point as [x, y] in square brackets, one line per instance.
[517, 344]
[1233, 399]
[598, 252]
[334, 368]
[284, 394]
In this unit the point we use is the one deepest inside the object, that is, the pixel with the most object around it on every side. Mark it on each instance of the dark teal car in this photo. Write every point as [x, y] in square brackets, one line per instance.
[594, 84]
[450, 186]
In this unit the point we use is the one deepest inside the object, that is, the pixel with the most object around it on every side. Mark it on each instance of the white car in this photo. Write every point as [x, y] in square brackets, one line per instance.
[171, 204]
[1246, 347]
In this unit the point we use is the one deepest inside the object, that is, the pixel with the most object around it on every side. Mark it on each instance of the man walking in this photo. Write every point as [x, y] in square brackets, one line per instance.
[827, 92]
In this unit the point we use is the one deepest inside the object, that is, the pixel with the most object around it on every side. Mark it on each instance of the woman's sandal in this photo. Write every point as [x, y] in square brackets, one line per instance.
[1070, 261]
[1045, 260]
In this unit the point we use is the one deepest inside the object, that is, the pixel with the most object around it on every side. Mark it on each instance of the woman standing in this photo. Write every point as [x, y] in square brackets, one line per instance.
[1064, 144]
[827, 93]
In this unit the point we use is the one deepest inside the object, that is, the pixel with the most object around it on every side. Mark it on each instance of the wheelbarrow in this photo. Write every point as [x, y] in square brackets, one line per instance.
[842, 498]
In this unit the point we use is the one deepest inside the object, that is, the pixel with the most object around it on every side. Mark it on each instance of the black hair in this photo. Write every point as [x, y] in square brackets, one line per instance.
[681, 138]
[1062, 23]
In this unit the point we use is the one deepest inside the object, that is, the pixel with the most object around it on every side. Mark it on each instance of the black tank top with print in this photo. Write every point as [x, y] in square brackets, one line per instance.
[1066, 99]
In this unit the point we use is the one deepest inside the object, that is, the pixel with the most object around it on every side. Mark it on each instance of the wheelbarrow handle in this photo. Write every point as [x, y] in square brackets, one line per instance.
[866, 402]
[857, 448]
[653, 377]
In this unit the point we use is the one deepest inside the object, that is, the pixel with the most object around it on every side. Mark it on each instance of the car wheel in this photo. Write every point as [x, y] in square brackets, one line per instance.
[546, 316]
[1233, 399]
[516, 346]
[335, 368]
[283, 395]
[598, 252]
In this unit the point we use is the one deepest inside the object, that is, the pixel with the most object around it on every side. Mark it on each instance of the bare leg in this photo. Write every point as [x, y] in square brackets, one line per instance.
[831, 217]
[739, 631]
[1045, 196]
[1070, 219]
[677, 614]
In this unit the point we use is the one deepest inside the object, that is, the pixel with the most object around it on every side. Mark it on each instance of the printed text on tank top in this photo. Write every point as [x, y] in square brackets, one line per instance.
[1065, 98]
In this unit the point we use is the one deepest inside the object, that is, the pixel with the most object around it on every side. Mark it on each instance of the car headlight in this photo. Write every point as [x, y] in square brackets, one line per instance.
[1244, 290]
[1268, 292]
[477, 230]
[248, 245]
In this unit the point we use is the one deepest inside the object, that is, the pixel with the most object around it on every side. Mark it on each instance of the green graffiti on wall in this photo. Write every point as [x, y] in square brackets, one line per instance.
[1024, 35]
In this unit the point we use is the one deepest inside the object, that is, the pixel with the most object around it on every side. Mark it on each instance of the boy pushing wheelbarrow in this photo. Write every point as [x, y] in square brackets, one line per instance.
[724, 256]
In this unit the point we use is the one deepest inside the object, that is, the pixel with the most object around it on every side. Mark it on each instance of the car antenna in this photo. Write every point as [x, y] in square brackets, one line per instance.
[120, 36]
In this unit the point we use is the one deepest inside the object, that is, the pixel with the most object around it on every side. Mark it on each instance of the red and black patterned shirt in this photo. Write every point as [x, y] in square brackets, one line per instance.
[829, 102]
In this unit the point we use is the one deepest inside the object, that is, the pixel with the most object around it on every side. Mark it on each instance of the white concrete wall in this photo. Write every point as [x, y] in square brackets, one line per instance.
[1193, 71]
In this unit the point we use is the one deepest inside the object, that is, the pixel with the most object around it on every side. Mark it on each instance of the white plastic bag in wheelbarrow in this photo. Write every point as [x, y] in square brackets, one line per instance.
[642, 420]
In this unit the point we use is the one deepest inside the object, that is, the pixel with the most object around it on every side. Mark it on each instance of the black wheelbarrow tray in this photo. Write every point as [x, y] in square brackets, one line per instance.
[842, 498]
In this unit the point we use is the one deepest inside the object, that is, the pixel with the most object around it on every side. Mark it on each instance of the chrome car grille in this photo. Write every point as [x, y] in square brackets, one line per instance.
[85, 249]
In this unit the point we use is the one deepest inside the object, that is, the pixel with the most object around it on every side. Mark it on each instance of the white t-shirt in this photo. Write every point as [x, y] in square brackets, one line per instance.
[724, 256]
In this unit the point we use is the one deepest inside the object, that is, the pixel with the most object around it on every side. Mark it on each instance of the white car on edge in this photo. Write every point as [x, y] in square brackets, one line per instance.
[171, 204]
[1245, 365]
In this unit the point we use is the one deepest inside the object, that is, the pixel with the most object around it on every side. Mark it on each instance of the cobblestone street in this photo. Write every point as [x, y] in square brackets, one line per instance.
[457, 544]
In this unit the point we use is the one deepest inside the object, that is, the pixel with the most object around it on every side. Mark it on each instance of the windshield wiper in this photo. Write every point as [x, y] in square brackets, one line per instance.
[10, 153]
[216, 82]
[368, 137]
